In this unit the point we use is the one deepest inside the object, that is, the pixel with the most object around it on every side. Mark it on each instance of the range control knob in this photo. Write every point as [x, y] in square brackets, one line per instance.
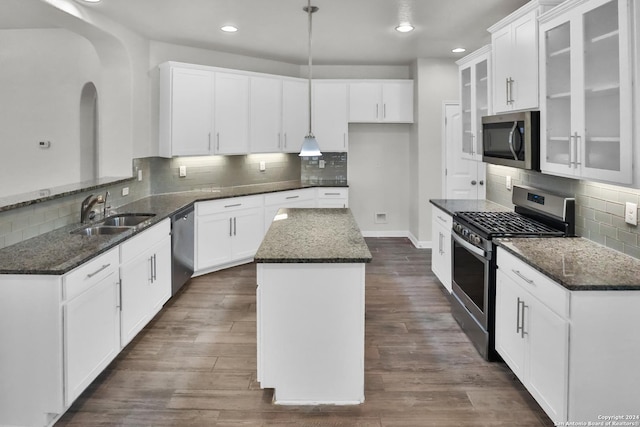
[476, 239]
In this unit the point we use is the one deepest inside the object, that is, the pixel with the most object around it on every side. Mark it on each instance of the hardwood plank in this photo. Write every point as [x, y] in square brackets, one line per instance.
[195, 363]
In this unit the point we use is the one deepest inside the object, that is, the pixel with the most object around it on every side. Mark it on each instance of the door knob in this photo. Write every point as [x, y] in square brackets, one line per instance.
[473, 182]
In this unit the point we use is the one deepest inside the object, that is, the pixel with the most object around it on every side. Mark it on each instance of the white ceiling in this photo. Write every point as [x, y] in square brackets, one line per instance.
[345, 32]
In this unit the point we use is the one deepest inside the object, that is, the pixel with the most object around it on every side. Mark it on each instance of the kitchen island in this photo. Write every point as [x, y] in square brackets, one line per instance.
[310, 307]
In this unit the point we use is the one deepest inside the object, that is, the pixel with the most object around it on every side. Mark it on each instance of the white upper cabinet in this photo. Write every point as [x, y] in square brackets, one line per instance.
[331, 115]
[389, 101]
[515, 58]
[295, 114]
[266, 103]
[586, 100]
[231, 111]
[475, 96]
[186, 111]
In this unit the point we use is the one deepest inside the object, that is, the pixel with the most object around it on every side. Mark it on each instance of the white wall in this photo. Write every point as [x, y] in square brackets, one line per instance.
[41, 79]
[378, 175]
[436, 80]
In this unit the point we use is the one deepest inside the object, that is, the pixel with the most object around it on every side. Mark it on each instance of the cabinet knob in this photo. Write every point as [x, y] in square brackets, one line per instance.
[473, 182]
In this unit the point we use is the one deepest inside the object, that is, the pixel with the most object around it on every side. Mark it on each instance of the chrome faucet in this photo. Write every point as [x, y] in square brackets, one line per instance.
[87, 205]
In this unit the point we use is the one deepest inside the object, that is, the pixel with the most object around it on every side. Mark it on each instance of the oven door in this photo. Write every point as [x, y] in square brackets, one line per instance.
[471, 270]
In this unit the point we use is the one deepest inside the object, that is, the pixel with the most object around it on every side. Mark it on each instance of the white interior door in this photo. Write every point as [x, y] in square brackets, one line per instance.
[463, 179]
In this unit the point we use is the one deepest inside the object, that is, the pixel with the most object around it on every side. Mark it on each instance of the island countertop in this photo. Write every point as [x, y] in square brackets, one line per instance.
[301, 235]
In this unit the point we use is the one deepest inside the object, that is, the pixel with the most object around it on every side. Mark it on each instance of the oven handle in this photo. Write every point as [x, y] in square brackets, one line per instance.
[468, 246]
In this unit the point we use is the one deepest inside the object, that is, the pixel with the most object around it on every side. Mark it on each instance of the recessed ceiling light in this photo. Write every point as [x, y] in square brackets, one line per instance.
[458, 50]
[229, 29]
[404, 28]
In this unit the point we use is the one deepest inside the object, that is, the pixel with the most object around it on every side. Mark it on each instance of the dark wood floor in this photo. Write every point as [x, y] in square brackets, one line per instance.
[195, 363]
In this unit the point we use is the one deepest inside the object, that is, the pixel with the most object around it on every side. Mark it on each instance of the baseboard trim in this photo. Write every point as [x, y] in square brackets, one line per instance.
[396, 233]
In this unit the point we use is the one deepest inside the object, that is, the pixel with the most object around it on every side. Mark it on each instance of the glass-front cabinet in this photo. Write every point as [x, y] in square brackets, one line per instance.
[585, 91]
[474, 96]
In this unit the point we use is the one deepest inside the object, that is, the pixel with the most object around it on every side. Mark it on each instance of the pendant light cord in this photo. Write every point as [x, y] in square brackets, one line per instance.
[309, 12]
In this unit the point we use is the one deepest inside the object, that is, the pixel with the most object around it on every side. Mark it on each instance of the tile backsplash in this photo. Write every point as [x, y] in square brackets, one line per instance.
[599, 207]
[159, 175]
[335, 168]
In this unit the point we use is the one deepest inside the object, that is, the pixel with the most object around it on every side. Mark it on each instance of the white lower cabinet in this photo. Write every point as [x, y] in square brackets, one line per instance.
[91, 322]
[533, 340]
[304, 198]
[574, 351]
[333, 197]
[227, 231]
[441, 223]
[145, 275]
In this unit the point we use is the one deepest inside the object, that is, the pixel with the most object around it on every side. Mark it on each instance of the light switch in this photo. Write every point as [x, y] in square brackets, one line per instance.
[183, 171]
[263, 165]
[508, 182]
[631, 213]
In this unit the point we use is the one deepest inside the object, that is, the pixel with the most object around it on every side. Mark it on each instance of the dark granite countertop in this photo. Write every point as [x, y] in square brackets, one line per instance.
[452, 206]
[576, 263]
[58, 252]
[300, 235]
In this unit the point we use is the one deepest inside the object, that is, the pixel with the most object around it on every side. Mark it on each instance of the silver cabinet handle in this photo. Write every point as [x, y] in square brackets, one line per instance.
[90, 275]
[520, 318]
[570, 146]
[578, 146]
[292, 197]
[218, 141]
[331, 194]
[230, 227]
[506, 89]
[523, 277]
[234, 226]
[155, 267]
[119, 284]
[285, 140]
[377, 112]
[209, 139]
[384, 111]
[233, 206]
[151, 269]
[510, 99]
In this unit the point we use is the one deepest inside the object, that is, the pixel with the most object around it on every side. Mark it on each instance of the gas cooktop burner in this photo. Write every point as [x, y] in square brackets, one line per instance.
[495, 224]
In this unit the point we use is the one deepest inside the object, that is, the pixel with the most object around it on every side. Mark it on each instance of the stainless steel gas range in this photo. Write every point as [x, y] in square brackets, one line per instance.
[537, 213]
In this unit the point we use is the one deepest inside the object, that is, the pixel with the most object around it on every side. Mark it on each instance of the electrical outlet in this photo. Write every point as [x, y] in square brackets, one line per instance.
[139, 174]
[321, 164]
[125, 191]
[263, 165]
[631, 213]
[183, 171]
[508, 182]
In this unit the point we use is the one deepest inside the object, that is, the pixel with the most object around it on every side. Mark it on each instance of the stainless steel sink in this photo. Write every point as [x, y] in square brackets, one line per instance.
[126, 219]
[97, 230]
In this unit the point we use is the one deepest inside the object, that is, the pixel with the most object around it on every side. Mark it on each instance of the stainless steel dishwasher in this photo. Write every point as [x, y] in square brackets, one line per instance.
[181, 248]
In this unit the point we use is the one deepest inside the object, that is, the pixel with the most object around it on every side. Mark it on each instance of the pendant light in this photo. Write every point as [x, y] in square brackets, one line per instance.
[310, 147]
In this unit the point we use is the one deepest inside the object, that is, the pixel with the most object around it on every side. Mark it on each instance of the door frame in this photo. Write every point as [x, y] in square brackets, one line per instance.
[443, 132]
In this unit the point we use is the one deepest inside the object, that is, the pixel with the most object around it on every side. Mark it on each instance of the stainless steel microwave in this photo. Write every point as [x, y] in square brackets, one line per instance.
[512, 139]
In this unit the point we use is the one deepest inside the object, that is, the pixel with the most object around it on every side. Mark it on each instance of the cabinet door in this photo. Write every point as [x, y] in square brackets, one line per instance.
[510, 343]
[160, 286]
[213, 240]
[604, 139]
[248, 231]
[524, 65]
[548, 356]
[231, 113]
[365, 102]
[397, 102]
[135, 312]
[466, 111]
[295, 114]
[266, 97]
[191, 112]
[503, 56]
[330, 115]
[91, 334]
[441, 246]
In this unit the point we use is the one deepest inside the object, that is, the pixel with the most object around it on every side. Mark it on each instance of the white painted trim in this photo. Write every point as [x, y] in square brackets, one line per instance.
[474, 55]
[443, 146]
[420, 244]
[385, 233]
